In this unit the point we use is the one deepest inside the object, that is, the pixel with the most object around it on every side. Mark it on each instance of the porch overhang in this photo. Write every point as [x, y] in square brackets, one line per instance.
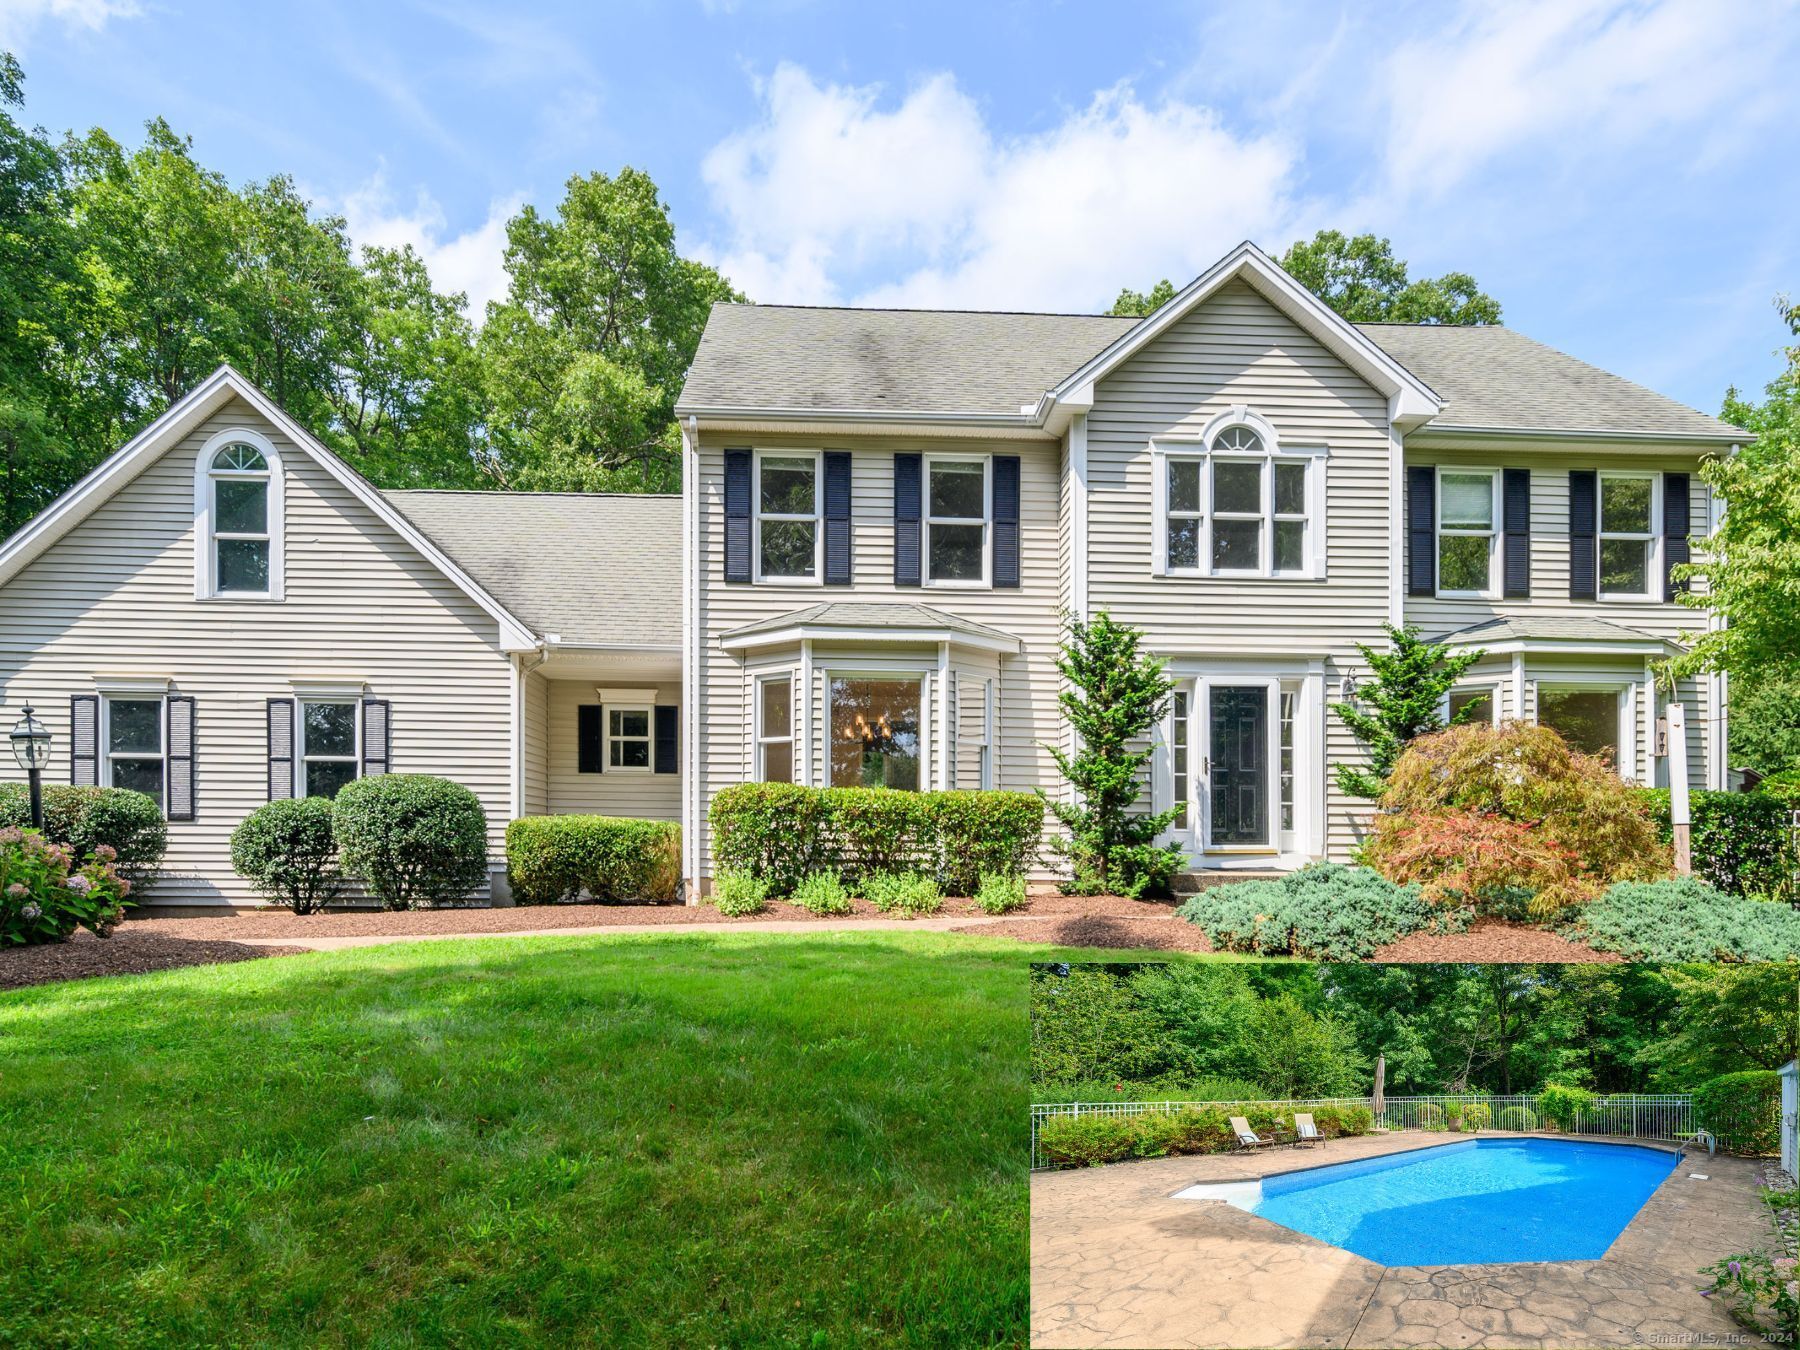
[866, 624]
[1559, 637]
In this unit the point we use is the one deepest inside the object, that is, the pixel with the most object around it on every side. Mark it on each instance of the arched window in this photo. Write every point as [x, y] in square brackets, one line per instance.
[238, 501]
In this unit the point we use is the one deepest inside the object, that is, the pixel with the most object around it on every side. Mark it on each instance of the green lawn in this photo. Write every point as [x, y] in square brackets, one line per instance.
[702, 1139]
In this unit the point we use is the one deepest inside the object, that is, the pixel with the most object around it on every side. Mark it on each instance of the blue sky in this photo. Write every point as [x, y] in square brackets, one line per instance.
[1620, 175]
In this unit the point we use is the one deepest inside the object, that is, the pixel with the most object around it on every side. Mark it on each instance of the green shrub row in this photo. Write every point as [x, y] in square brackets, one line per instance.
[1325, 911]
[412, 839]
[1087, 1141]
[1686, 920]
[1742, 1110]
[85, 819]
[555, 859]
[783, 832]
[1741, 841]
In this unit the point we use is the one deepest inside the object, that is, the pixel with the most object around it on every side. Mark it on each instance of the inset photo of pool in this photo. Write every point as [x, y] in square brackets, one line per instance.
[1273, 1154]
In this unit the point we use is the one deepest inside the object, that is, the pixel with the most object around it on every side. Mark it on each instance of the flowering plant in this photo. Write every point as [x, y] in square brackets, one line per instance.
[1761, 1291]
[45, 895]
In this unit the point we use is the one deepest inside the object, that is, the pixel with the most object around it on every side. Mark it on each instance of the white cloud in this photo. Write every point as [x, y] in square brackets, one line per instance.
[1573, 79]
[830, 186]
[19, 19]
[472, 262]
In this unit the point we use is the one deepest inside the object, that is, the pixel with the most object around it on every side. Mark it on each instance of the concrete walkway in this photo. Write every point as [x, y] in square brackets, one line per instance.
[1116, 1260]
[934, 924]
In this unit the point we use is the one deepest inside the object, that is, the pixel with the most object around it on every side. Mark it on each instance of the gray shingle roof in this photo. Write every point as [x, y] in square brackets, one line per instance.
[770, 357]
[851, 614]
[1546, 627]
[593, 568]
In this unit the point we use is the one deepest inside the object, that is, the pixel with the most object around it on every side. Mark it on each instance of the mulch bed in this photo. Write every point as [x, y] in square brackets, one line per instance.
[128, 952]
[1493, 942]
[1099, 930]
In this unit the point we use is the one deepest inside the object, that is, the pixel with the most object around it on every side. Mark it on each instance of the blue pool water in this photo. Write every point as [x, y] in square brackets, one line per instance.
[1474, 1202]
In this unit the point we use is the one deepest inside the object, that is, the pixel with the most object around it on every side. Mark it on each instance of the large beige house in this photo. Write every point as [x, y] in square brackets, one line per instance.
[886, 516]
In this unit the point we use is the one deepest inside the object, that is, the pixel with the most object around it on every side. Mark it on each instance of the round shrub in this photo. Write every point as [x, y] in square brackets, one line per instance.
[413, 839]
[1686, 920]
[1476, 1117]
[1430, 1116]
[1743, 1110]
[1325, 911]
[1520, 1118]
[822, 893]
[1562, 1105]
[286, 850]
[1584, 828]
[44, 896]
[738, 893]
[555, 859]
[83, 819]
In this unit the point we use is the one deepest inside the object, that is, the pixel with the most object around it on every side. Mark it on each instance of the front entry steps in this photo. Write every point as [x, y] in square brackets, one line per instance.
[1188, 883]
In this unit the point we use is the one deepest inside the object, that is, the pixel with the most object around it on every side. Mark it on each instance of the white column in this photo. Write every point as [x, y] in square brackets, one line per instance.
[1518, 684]
[805, 730]
[940, 741]
[1318, 775]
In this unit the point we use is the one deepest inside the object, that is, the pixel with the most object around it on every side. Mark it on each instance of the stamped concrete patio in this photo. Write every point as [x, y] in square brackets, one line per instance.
[1116, 1260]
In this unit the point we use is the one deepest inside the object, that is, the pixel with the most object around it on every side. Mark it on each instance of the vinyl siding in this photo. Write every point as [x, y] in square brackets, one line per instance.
[116, 597]
[1236, 348]
[537, 745]
[1027, 691]
[647, 796]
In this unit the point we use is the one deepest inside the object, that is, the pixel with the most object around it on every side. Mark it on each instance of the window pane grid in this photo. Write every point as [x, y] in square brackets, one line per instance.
[628, 738]
[787, 516]
[1184, 515]
[1286, 766]
[1626, 537]
[956, 508]
[330, 755]
[1466, 533]
[240, 520]
[775, 730]
[1178, 757]
[1225, 512]
[134, 745]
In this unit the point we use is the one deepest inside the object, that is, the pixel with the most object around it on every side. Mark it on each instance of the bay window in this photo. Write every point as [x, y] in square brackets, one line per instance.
[775, 729]
[875, 727]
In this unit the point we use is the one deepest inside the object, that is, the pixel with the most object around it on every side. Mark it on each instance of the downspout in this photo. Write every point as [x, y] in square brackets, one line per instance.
[690, 659]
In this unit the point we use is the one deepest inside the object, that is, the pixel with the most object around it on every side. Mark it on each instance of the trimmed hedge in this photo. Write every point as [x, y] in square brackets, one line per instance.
[1088, 1141]
[1741, 841]
[1325, 911]
[553, 859]
[783, 832]
[81, 819]
[1743, 1110]
[287, 851]
[415, 840]
[1686, 920]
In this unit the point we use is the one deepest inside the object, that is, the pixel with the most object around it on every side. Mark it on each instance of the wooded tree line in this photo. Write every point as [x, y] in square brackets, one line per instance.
[128, 274]
[1316, 1030]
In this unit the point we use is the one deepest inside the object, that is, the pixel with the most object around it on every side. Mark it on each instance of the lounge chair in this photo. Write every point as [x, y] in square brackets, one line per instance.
[1305, 1132]
[1248, 1138]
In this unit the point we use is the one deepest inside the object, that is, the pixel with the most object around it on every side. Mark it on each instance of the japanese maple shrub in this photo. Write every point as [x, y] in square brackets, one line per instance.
[1113, 695]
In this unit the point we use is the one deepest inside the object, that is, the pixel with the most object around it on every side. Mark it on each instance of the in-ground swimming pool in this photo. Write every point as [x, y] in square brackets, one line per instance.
[1474, 1202]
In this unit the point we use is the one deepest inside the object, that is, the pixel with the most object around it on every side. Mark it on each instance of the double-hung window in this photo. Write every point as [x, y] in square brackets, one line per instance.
[1468, 533]
[957, 511]
[330, 755]
[788, 538]
[1481, 702]
[775, 729]
[134, 745]
[627, 738]
[1240, 506]
[1627, 539]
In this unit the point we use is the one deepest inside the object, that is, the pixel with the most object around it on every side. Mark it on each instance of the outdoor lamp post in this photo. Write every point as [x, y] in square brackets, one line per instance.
[31, 747]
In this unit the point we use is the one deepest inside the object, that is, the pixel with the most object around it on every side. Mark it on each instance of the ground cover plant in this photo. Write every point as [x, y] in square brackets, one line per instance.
[1687, 920]
[1000, 893]
[660, 1140]
[738, 893]
[907, 894]
[822, 893]
[1326, 911]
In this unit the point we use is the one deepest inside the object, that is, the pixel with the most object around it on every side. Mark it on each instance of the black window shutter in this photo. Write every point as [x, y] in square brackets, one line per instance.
[590, 742]
[378, 736]
[668, 737]
[1421, 530]
[837, 520]
[1678, 524]
[737, 516]
[906, 519]
[281, 749]
[178, 767]
[1516, 502]
[1006, 522]
[1584, 556]
[84, 740]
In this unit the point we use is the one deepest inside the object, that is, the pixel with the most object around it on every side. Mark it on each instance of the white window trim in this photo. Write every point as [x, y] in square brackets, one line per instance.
[922, 678]
[1625, 689]
[160, 698]
[1653, 537]
[1181, 746]
[1492, 688]
[760, 737]
[301, 756]
[927, 520]
[1494, 533]
[1203, 451]
[757, 516]
[205, 577]
[607, 739]
[987, 735]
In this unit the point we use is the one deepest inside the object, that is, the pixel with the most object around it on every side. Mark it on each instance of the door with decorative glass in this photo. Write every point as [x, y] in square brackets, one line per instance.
[1237, 777]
